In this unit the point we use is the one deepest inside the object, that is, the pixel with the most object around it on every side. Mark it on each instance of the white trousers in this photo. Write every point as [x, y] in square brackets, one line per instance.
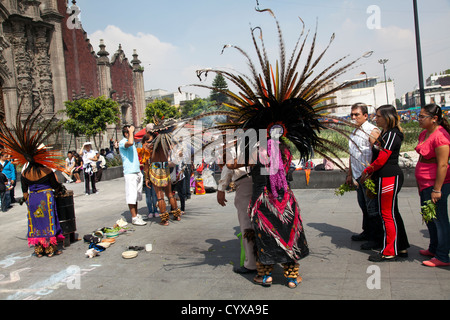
[133, 187]
[241, 202]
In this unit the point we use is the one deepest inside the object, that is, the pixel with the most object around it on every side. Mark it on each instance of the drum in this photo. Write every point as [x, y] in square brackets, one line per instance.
[66, 213]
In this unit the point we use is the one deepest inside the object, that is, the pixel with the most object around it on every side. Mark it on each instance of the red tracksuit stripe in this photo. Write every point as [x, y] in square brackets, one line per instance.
[388, 187]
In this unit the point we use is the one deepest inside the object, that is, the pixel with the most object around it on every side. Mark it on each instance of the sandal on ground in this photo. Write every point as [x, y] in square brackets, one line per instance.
[293, 283]
[55, 253]
[263, 280]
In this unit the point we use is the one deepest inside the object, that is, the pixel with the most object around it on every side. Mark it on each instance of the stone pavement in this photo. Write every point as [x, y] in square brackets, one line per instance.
[193, 259]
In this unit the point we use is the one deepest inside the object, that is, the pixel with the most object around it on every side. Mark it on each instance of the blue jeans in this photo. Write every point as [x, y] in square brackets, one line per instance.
[439, 228]
[150, 198]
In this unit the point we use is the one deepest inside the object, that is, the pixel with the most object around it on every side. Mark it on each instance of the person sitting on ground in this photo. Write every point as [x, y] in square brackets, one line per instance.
[69, 167]
[78, 167]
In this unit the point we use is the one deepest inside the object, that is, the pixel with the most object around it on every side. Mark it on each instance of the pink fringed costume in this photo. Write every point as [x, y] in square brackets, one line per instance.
[275, 213]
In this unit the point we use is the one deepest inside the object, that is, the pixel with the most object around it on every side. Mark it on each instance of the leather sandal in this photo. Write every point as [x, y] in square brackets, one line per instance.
[263, 280]
[293, 283]
[54, 253]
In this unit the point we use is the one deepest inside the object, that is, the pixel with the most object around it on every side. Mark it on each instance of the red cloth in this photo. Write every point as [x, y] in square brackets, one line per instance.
[139, 135]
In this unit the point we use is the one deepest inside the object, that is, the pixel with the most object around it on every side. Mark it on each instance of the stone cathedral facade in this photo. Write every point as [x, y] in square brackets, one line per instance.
[46, 59]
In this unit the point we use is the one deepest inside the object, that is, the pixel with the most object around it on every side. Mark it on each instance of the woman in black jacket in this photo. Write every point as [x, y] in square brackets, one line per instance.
[388, 176]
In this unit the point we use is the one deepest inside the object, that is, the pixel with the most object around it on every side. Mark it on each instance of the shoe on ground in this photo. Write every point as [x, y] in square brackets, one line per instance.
[402, 254]
[137, 221]
[381, 258]
[243, 270]
[359, 237]
[426, 253]
[371, 245]
[436, 263]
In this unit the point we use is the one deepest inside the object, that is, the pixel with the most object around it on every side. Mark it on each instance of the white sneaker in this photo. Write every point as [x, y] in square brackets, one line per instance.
[138, 221]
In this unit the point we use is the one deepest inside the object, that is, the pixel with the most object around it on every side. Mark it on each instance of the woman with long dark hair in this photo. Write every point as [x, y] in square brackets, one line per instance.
[388, 176]
[433, 180]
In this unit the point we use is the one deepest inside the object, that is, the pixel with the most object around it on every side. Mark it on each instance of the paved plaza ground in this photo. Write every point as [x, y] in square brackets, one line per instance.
[192, 260]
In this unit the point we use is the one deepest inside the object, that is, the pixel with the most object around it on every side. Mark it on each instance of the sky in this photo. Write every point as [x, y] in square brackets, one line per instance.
[174, 38]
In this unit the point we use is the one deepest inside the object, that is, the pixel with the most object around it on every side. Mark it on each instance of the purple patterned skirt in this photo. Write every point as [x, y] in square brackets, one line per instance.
[43, 223]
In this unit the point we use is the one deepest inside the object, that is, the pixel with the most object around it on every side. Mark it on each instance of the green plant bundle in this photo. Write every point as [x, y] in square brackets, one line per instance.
[370, 185]
[343, 188]
[428, 211]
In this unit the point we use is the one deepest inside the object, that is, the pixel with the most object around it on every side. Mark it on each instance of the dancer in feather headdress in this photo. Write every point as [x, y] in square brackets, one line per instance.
[25, 145]
[287, 105]
[159, 141]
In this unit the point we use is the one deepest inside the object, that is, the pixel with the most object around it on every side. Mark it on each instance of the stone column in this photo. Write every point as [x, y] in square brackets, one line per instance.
[105, 83]
[42, 61]
[139, 90]
[51, 15]
[104, 71]
[23, 64]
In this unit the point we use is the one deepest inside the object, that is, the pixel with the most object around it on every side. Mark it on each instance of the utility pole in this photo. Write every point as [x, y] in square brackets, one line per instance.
[383, 62]
[419, 55]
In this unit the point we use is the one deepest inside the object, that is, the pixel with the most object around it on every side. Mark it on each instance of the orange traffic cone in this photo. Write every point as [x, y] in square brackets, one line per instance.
[199, 187]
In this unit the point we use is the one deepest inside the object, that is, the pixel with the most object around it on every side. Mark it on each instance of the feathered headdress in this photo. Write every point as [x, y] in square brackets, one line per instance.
[25, 143]
[163, 131]
[286, 95]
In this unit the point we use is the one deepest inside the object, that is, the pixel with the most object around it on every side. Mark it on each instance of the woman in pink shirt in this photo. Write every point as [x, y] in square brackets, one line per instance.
[433, 180]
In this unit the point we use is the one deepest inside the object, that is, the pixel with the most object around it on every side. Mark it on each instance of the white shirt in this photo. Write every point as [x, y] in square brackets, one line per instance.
[229, 175]
[361, 158]
[70, 162]
[86, 157]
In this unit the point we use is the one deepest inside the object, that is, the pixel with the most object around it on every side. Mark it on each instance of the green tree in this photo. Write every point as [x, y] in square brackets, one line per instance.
[219, 83]
[90, 116]
[160, 108]
[192, 108]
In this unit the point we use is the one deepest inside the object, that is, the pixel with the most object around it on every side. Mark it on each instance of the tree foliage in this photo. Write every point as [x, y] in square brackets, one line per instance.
[91, 116]
[220, 83]
[192, 108]
[160, 108]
